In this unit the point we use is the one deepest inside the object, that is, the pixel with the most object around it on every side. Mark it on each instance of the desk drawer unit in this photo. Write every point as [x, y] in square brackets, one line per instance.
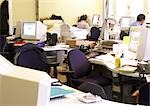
[55, 56]
[51, 56]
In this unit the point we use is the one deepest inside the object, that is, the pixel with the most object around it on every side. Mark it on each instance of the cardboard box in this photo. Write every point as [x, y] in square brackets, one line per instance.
[71, 43]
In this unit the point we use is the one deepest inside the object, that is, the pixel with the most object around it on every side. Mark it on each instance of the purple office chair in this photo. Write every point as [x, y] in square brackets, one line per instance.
[81, 70]
[93, 88]
[144, 94]
[6, 50]
[31, 56]
[3, 44]
[95, 33]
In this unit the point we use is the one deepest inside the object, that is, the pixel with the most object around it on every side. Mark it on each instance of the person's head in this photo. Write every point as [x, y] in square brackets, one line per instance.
[83, 17]
[141, 18]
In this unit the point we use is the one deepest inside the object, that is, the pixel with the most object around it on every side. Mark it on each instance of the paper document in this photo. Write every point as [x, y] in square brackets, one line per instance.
[128, 62]
[59, 92]
[106, 58]
[79, 33]
[127, 69]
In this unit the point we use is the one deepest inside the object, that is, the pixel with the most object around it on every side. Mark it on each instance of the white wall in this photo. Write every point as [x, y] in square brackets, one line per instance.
[132, 8]
[69, 9]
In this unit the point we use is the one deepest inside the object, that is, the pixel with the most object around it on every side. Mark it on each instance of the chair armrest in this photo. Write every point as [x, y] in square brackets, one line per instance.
[66, 72]
[54, 63]
[3, 53]
[68, 76]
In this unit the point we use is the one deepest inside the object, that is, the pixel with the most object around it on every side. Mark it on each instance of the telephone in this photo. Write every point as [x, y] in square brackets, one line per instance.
[144, 68]
[84, 48]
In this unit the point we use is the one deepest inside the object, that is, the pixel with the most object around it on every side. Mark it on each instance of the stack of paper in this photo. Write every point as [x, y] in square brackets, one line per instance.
[128, 69]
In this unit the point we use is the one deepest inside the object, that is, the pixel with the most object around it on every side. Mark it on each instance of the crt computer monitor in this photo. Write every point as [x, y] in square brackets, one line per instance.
[54, 26]
[139, 42]
[134, 38]
[35, 30]
[17, 29]
[97, 20]
[125, 22]
[143, 50]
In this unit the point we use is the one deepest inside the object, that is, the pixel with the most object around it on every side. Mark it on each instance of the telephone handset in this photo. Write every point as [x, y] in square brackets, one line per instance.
[144, 68]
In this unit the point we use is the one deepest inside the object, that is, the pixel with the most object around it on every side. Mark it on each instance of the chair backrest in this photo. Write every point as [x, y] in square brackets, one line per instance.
[144, 94]
[3, 43]
[95, 33]
[31, 56]
[93, 88]
[78, 63]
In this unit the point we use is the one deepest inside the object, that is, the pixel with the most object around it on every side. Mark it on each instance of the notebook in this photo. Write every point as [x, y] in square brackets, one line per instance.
[57, 92]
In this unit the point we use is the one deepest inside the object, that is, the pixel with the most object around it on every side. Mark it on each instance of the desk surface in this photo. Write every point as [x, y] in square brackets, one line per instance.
[57, 47]
[72, 99]
[110, 65]
[85, 43]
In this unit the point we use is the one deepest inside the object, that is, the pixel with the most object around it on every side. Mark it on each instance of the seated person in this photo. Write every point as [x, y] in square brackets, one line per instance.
[140, 20]
[82, 23]
[114, 29]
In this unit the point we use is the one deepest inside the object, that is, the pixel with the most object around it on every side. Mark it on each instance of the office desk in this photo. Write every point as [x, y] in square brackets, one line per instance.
[72, 100]
[56, 53]
[111, 67]
[25, 75]
[58, 47]
[124, 83]
[77, 42]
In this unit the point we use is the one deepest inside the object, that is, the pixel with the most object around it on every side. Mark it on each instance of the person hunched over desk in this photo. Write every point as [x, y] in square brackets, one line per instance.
[82, 23]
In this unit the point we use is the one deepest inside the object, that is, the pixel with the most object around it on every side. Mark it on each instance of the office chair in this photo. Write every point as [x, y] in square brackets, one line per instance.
[6, 50]
[144, 94]
[93, 88]
[81, 70]
[3, 44]
[95, 33]
[31, 56]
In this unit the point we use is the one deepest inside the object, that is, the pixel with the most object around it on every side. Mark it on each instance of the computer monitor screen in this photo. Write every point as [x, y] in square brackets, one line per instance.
[134, 38]
[29, 28]
[125, 22]
[33, 30]
[97, 20]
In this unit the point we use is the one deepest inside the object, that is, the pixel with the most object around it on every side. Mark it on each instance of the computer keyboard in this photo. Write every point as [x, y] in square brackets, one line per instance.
[10, 37]
[104, 51]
